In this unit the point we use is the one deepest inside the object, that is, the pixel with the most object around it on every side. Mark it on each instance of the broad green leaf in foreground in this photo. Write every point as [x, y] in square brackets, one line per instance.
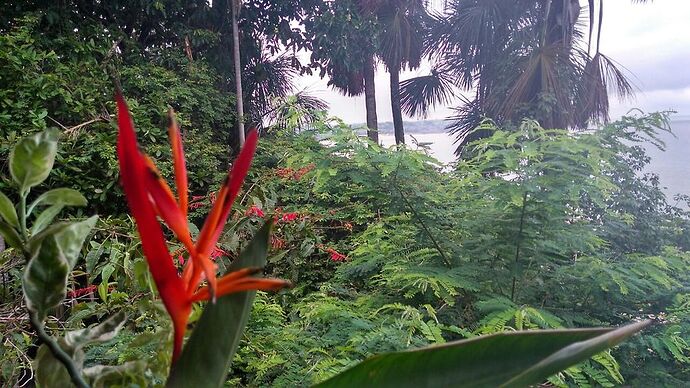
[32, 159]
[206, 357]
[512, 359]
[54, 254]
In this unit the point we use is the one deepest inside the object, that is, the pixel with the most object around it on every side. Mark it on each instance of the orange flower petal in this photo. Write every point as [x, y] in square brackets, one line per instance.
[166, 206]
[241, 284]
[216, 220]
[179, 163]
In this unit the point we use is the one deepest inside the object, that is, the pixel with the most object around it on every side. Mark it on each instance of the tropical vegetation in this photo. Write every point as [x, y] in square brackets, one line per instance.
[332, 261]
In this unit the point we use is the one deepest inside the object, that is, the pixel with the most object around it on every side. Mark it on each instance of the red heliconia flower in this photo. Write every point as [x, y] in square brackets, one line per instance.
[148, 196]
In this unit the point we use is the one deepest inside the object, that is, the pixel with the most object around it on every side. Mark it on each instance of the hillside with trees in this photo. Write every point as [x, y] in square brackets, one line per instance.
[175, 211]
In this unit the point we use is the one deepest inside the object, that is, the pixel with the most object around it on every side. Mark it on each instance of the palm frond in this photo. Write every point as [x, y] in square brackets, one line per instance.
[601, 75]
[465, 123]
[419, 94]
[296, 111]
[267, 78]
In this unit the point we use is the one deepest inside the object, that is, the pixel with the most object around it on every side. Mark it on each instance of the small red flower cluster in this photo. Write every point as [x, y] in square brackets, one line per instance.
[254, 211]
[217, 252]
[289, 173]
[198, 200]
[288, 217]
[81, 291]
[335, 255]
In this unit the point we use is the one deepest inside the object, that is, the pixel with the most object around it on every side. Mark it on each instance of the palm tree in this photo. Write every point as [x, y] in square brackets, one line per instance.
[520, 58]
[401, 25]
[236, 5]
[349, 64]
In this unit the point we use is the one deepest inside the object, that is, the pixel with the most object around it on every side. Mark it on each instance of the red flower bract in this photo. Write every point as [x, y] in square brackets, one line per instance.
[148, 196]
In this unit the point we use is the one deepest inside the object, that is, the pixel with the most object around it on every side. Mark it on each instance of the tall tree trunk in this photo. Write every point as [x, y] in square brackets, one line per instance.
[370, 100]
[395, 103]
[238, 70]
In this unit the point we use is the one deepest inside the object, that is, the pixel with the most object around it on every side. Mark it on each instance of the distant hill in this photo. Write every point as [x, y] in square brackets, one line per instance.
[422, 126]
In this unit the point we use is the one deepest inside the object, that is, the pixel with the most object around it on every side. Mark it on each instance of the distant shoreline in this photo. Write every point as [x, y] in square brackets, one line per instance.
[440, 126]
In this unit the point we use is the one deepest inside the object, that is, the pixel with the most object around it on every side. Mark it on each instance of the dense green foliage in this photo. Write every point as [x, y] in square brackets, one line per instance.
[387, 249]
[526, 234]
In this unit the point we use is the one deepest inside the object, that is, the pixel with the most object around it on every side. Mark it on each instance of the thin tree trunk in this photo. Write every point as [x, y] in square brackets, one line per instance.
[395, 104]
[370, 100]
[238, 70]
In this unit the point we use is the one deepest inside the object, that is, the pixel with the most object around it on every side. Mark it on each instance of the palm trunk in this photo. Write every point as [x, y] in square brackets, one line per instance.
[370, 100]
[238, 70]
[395, 104]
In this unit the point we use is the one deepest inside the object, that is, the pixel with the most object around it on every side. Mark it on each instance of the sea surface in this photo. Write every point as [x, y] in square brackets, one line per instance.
[672, 164]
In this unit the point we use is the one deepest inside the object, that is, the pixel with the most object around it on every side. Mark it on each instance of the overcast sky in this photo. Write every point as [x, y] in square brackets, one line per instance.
[652, 41]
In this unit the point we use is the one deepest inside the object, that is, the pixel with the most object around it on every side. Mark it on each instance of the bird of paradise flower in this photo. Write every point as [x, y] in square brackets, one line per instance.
[149, 196]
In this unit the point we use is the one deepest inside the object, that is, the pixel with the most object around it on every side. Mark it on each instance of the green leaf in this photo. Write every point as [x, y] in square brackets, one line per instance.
[10, 235]
[7, 211]
[511, 359]
[49, 371]
[206, 358]
[103, 332]
[45, 278]
[62, 196]
[102, 376]
[32, 159]
[574, 354]
[44, 219]
[71, 236]
[53, 255]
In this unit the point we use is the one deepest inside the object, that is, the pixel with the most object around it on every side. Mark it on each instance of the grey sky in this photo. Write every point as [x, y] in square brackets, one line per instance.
[651, 40]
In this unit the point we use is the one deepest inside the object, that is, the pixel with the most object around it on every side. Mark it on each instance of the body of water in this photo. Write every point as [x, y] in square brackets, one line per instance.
[672, 165]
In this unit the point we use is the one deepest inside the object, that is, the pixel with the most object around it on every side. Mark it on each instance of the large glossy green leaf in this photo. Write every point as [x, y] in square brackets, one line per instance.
[62, 196]
[53, 255]
[7, 211]
[32, 159]
[206, 358]
[514, 359]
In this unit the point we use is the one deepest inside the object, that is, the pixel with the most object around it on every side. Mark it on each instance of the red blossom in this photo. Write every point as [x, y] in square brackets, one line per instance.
[149, 197]
[287, 217]
[217, 252]
[254, 211]
[335, 255]
[81, 291]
